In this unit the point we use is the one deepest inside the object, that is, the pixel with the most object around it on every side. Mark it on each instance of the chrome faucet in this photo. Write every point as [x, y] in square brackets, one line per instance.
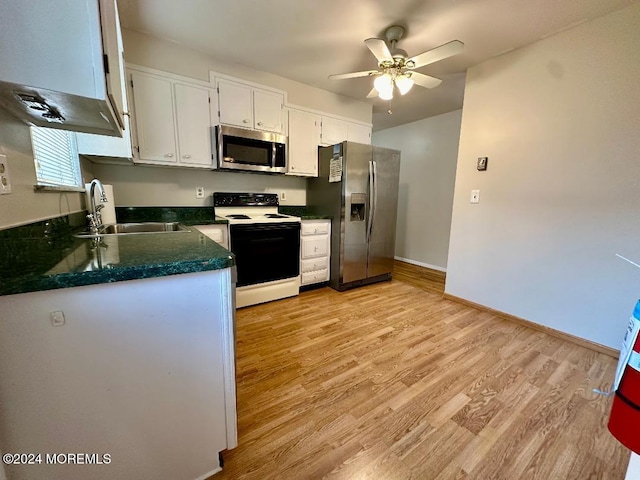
[94, 217]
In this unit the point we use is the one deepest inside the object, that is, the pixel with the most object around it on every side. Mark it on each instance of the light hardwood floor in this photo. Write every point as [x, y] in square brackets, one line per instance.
[390, 381]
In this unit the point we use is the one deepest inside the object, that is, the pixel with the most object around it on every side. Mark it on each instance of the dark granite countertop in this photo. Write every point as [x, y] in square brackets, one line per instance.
[303, 212]
[46, 256]
[184, 215]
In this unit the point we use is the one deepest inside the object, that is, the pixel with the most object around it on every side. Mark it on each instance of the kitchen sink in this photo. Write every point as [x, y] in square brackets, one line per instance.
[135, 228]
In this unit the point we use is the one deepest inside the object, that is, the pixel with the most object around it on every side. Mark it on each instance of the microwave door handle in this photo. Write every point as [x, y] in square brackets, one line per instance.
[219, 145]
[273, 155]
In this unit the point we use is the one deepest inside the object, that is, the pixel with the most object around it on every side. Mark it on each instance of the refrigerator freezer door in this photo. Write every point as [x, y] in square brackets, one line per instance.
[385, 198]
[356, 184]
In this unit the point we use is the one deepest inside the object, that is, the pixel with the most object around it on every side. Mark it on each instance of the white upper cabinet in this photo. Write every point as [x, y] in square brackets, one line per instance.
[359, 133]
[304, 138]
[333, 131]
[194, 125]
[235, 102]
[103, 146]
[62, 56]
[172, 120]
[154, 121]
[249, 107]
[267, 108]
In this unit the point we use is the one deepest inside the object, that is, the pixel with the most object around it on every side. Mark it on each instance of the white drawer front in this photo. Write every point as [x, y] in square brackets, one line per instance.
[321, 263]
[315, 228]
[314, 247]
[315, 277]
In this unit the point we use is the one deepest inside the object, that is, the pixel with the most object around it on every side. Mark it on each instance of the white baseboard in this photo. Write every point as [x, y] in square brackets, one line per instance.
[421, 264]
[207, 475]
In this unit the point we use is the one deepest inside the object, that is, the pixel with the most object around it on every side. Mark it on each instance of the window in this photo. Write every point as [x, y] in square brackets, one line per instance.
[55, 154]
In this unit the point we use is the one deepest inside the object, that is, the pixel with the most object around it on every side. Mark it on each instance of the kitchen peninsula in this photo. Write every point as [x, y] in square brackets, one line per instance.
[125, 348]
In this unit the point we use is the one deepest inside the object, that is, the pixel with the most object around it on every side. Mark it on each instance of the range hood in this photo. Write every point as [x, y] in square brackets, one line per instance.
[48, 108]
[61, 66]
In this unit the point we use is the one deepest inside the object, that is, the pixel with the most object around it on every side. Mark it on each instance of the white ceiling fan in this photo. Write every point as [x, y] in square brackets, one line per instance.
[395, 68]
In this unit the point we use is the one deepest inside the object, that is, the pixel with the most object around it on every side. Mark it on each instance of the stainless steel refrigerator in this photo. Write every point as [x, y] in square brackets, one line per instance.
[357, 185]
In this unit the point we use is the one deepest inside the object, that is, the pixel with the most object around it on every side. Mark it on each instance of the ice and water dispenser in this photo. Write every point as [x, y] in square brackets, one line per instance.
[358, 201]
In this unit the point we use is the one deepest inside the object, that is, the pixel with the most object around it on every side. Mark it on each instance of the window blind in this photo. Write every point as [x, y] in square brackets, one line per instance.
[56, 157]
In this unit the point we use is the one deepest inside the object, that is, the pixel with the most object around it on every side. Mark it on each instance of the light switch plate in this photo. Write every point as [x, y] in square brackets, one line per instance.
[5, 179]
[475, 196]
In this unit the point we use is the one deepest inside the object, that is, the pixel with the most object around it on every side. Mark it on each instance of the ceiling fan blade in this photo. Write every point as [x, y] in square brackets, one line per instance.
[379, 49]
[373, 93]
[439, 53]
[425, 81]
[364, 73]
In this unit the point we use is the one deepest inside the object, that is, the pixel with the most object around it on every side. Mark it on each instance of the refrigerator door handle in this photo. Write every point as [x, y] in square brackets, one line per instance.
[370, 204]
[375, 193]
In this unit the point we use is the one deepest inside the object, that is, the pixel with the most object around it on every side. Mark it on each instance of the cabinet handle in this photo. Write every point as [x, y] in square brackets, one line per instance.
[245, 121]
[315, 249]
[186, 156]
[315, 230]
[259, 124]
[169, 155]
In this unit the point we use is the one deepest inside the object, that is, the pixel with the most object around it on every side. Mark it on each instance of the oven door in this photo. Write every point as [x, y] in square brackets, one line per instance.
[266, 252]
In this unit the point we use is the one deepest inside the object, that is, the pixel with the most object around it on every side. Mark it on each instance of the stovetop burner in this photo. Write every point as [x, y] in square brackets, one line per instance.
[249, 208]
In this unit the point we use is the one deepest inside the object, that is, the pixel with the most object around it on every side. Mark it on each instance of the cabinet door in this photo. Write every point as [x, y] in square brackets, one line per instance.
[304, 138]
[154, 120]
[333, 131]
[235, 104]
[267, 109]
[359, 133]
[113, 50]
[194, 125]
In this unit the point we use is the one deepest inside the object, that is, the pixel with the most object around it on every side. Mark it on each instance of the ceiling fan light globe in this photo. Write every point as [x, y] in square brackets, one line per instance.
[386, 94]
[386, 90]
[383, 82]
[404, 84]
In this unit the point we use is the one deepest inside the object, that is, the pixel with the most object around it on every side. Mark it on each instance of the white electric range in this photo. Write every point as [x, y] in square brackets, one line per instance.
[266, 245]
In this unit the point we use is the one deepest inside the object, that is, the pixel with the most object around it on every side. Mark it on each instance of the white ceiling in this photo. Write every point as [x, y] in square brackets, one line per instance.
[308, 40]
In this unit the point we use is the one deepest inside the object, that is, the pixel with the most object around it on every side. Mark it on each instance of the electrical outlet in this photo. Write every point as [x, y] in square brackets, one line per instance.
[57, 318]
[475, 196]
[199, 192]
[5, 179]
[283, 195]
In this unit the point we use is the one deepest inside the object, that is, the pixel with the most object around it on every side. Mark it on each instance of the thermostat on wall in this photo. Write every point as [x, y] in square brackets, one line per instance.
[482, 163]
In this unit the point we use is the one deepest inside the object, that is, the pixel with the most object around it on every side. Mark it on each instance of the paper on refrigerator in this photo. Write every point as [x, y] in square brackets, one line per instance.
[627, 355]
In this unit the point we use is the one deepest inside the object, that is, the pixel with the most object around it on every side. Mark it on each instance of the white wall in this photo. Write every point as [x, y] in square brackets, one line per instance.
[24, 205]
[143, 186]
[559, 121]
[427, 174]
[148, 51]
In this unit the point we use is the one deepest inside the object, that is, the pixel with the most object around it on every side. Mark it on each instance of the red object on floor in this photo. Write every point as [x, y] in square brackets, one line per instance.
[624, 421]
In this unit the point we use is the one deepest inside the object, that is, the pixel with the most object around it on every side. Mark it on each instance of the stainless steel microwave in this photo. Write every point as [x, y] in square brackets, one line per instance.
[250, 150]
